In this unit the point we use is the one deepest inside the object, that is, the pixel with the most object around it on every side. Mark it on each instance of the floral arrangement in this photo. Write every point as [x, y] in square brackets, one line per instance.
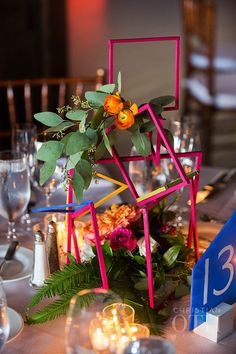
[122, 238]
[86, 131]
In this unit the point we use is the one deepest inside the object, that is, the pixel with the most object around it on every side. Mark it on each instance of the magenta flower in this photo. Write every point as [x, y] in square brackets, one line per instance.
[122, 237]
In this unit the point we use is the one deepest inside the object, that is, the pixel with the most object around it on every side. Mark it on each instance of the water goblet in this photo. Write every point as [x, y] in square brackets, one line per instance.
[24, 136]
[14, 187]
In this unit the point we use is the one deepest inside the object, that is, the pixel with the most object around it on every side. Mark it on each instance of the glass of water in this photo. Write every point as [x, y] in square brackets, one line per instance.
[4, 322]
[14, 187]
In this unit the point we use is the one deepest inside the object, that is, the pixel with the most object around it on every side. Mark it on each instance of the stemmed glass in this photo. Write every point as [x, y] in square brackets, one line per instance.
[24, 140]
[53, 183]
[14, 187]
[4, 322]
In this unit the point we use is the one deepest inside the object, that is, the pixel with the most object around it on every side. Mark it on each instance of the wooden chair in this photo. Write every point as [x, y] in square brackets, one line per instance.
[20, 99]
[207, 84]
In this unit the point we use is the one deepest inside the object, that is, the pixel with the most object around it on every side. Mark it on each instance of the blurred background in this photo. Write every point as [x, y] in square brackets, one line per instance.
[68, 38]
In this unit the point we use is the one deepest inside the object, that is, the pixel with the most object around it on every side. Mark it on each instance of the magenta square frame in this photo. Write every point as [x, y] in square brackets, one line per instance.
[176, 39]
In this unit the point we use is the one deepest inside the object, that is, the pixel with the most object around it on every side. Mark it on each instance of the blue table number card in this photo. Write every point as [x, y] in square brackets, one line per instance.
[214, 275]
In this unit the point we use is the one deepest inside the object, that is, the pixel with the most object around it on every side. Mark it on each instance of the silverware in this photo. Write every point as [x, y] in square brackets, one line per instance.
[218, 184]
[9, 254]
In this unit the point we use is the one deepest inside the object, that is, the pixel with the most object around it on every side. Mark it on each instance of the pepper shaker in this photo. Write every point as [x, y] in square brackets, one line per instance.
[51, 247]
[41, 267]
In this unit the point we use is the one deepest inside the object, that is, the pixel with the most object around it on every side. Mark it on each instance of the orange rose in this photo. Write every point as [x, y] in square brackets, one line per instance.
[113, 104]
[125, 119]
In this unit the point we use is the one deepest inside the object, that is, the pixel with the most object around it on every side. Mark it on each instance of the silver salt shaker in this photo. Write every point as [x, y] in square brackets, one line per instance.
[41, 267]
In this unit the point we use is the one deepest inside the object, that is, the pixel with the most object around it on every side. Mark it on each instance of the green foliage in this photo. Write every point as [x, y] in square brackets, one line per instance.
[127, 277]
[79, 131]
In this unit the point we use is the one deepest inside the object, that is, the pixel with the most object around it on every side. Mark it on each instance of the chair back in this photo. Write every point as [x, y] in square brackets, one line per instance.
[21, 99]
[199, 35]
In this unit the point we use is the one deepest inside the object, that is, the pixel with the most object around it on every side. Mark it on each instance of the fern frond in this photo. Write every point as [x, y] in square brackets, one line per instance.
[74, 275]
[54, 310]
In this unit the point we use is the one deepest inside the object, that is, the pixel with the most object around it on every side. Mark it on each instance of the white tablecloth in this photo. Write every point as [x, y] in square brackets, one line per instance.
[49, 338]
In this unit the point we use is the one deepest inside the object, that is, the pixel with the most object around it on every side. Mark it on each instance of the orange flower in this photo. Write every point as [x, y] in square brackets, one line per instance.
[113, 104]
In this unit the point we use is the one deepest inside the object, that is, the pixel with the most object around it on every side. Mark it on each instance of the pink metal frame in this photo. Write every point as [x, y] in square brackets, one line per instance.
[175, 39]
[146, 203]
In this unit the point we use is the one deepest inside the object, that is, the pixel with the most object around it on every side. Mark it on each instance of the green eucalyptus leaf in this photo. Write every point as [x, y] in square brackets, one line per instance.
[85, 170]
[162, 100]
[169, 137]
[50, 119]
[77, 142]
[107, 249]
[78, 186]
[171, 255]
[46, 171]
[109, 88]
[50, 151]
[60, 127]
[107, 143]
[100, 151]
[78, 114]
[95, 99]
[147, 127]
[141, 143]
[97, 118]
[157, 109]
[119, 84]
[139, 259]
[92, 135]
[73, 160]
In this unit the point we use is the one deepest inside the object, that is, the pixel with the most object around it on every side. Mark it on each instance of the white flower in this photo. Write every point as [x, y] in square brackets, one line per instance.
[86, 252]
[142, 248]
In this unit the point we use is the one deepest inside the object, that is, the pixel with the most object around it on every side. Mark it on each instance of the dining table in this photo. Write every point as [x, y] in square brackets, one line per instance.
[49, 337]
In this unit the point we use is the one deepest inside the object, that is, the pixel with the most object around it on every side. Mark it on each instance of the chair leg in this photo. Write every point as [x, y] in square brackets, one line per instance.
[207, 134]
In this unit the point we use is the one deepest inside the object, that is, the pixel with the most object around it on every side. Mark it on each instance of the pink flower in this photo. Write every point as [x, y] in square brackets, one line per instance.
[122, 237]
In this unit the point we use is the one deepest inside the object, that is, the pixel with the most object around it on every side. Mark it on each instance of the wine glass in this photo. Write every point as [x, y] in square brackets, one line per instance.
[24, 140]
[186, 139]
[14, 187]
[53, 183]
[4, 322]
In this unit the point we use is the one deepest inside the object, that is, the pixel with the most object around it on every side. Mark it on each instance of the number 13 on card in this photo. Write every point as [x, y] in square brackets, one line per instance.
[214, 275]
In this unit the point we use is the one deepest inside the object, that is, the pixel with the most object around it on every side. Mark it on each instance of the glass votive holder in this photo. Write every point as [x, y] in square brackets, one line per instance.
[122, 312]
[152, 344]
[138, 331]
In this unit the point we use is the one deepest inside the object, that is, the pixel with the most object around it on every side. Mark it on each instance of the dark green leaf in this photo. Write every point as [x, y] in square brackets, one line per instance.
[147, 127]
[50, 119]
[84, 168]
[51, 150]
[109, 88]
[162, 100]
[171, 255]
[141, 143]
[92, 135]
[73, 160]
[46, 171]
[95, 99]
[107, 143]
[100, 151]
[141, 284]
[77, 142]
[78, 186]
[60, 127]
[139, 259]
[97, 119]
[169, 137]
[78, 114]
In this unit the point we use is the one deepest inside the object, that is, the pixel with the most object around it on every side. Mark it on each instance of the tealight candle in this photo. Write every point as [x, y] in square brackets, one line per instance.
[119, 312]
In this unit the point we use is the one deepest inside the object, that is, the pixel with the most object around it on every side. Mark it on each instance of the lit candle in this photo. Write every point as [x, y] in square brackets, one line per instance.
[119, 312]
[100, 341]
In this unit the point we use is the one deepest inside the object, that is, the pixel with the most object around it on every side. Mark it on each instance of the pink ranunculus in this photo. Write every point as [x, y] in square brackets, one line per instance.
[122, 237]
